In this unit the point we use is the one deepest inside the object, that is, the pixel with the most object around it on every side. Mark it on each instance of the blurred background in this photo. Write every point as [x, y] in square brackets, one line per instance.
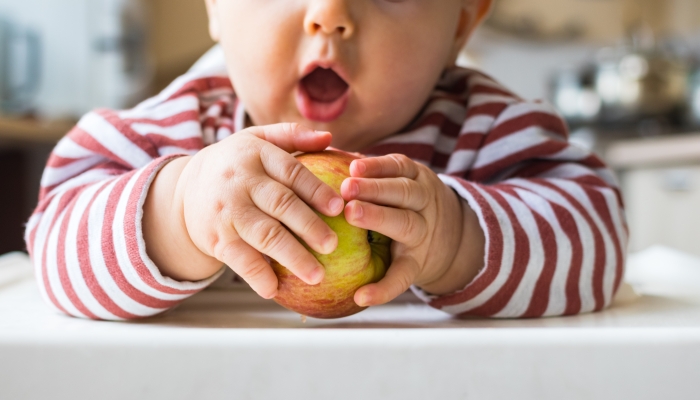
[624, 73]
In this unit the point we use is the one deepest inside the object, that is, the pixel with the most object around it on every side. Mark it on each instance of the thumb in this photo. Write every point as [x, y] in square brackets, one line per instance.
[292, 137]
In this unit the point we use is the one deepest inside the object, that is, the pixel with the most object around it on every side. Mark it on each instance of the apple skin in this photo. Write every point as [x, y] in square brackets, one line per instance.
[362, 256]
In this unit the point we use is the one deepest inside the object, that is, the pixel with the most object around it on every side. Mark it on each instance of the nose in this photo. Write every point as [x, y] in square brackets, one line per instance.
[329, 17]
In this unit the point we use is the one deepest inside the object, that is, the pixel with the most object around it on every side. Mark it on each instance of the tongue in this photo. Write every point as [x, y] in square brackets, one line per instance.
[324, 85]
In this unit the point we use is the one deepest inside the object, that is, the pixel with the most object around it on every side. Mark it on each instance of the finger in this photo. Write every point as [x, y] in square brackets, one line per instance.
[279, 202]
[403, 226]
[394, 192]
[390, 166]
[399, 277]
[269, 237]
[292, 137]
[288, 171]
[250, 265]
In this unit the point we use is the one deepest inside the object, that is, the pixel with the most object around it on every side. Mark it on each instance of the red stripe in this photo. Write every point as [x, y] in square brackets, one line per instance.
[198, 86]
[193, 143]
[65, 199]
[86, 140]
[540, 295]
[598, 248]
[61, 263]
[125, 129]
[470, 141]
[176, 119]
[485, 172]
[110, 255]
[446, 125]
[521, 258]
[601, 207]
[483, 89]
[86, 265]
[548, 122]
[494, 254]
[489, 109]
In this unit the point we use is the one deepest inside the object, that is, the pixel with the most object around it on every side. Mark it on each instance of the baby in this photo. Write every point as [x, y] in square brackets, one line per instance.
[492, 211]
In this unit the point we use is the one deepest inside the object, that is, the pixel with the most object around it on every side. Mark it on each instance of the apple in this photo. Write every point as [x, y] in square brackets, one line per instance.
[362, 256]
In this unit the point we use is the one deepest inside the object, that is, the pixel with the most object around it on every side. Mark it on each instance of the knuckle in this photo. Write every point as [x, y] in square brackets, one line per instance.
[292, 171]
[406, 189]
[254, 271]
[270, 238]
[281, 203]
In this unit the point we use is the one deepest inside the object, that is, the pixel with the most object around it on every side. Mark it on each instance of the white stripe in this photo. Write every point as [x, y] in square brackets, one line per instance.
[506, 262]
[571, 153]
[163, 110]
[460, 160]
[608, 177]
[488, 98]
[585, 234]
[56, 175]
[121, 245]
[114, 140]
[524, 108]
[557, 290]
[454, 111]
[519, 302]
[170, 150]
[91, 176]
[567, 171]
[445, 144]
[239, 117]
[479, 123]
[577, 192]
[513, 143]
[97, 259]
[222, 133]
[618, 220]
[67, 148]
[72, 262]
[52, 269]
[184, 130]
[39, 244]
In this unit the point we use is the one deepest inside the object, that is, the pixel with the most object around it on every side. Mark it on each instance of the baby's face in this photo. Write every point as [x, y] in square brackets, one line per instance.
[361, 69]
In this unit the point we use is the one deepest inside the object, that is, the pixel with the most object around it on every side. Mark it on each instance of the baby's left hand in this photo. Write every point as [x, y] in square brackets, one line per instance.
[407, 202]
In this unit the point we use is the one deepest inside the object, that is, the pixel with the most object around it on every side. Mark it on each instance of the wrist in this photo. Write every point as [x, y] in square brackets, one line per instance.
[168, 242]
[467, 259]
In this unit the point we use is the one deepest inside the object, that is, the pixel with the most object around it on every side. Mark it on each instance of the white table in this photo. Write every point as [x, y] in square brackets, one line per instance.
[232, 345]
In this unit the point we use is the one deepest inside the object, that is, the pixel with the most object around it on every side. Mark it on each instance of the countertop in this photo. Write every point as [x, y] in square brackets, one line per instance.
[231, 344]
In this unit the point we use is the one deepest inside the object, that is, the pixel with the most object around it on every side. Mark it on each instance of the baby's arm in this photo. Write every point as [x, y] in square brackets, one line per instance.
[550, 214]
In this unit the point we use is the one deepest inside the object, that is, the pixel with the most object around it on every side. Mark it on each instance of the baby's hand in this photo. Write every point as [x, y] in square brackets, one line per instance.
[407, 202]
[237, 194]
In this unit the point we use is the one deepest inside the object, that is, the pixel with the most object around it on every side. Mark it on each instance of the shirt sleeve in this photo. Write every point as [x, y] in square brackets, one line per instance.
[85, 236]
[552, 215]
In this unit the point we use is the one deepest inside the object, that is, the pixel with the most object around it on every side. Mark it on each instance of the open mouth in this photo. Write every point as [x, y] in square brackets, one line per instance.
[322, 95]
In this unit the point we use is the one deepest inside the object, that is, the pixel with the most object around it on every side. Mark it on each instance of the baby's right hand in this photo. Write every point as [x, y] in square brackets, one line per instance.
[237, 194]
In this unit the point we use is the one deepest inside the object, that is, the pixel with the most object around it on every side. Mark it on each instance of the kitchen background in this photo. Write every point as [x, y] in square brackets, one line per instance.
[625, 74]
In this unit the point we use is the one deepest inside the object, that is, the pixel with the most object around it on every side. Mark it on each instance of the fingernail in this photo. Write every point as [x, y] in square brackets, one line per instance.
[336, 205]
[360, 167]
[358, 212]
[329, 243]
[321, 132]
[363, 300]
[354, 189]
[317, 275]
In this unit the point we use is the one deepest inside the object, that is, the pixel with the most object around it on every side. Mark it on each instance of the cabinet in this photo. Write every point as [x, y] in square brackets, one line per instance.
[660, 181]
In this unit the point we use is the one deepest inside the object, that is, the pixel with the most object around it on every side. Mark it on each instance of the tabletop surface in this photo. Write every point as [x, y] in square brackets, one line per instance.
[663, 295]
[231, 344]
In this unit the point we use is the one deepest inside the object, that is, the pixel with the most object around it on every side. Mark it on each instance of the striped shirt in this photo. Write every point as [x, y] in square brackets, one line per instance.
[551, 212]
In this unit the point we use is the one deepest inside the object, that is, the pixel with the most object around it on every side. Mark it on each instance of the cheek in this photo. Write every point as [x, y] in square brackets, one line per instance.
[260, 41]
[404, 68]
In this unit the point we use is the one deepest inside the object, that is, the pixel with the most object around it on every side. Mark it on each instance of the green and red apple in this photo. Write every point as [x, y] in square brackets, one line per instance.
[362, 257]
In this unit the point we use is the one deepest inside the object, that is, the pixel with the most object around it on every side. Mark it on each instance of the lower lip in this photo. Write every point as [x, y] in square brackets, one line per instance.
[318, 111]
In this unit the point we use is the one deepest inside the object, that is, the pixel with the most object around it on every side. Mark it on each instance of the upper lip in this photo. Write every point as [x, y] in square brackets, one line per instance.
[325, 64]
